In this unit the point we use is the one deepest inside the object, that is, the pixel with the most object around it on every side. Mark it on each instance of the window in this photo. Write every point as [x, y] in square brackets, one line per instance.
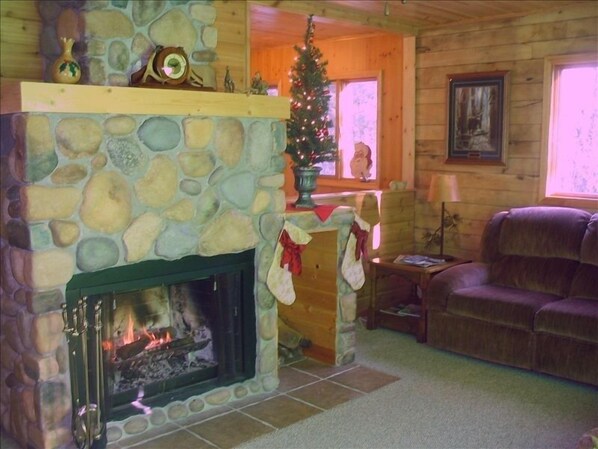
[353, 111]
[570, 159]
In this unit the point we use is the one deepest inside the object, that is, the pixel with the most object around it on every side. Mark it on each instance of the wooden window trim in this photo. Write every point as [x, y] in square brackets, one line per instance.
[546, 163]
[338, 180]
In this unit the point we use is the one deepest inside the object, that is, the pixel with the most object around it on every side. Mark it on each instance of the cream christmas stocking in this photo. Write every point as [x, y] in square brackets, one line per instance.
[287, 261]
[352, 266]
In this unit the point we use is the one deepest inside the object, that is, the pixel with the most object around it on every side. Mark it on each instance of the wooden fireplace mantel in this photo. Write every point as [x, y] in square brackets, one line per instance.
[27, 96]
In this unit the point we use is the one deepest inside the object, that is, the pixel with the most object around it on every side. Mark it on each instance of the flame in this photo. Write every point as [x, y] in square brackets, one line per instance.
[155, 341]
[130, 336]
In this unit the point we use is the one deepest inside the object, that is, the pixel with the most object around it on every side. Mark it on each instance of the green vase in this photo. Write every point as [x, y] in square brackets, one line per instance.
[305, 184]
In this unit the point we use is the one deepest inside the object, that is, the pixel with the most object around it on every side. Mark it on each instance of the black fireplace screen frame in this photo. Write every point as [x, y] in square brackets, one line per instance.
[233, 279]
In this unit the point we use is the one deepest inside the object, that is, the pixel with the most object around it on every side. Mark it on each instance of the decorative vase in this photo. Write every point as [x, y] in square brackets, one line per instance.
[305, 184]
[65, 69]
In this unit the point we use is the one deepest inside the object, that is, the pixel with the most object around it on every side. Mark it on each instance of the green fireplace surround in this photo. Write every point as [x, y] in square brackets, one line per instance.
[234, 326]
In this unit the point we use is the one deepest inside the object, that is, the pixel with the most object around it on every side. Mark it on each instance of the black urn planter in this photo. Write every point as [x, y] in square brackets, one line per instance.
[305, 185]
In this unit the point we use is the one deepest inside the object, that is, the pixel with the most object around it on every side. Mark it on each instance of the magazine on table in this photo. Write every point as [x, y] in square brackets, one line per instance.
[419, 260]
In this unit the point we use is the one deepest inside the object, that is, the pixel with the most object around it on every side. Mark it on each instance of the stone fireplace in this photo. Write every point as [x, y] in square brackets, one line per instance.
[90, 184]
[87, 192]
[102, 178]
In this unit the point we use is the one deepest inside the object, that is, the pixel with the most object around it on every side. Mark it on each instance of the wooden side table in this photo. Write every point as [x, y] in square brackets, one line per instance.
[393, 318]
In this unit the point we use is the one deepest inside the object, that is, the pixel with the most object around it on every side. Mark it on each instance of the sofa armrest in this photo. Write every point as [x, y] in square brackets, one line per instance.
[455, 278]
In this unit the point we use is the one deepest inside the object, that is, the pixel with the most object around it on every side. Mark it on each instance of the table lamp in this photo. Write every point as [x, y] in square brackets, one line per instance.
[443, 188]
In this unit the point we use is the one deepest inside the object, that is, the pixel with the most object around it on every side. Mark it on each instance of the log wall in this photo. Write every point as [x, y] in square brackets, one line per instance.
[519, 46]
[20, 28]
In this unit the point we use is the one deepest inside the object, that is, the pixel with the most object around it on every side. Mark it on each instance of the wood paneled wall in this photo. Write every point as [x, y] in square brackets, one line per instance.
[519, 46]
[233, 37]
[20, 28]
[370, 54]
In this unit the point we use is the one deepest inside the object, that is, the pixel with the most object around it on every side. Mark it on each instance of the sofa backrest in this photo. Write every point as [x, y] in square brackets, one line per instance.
[544, 232]
[536, 248]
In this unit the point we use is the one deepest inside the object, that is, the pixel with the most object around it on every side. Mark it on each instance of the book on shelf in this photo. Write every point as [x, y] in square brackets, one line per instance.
[419, 260]
[406, 310]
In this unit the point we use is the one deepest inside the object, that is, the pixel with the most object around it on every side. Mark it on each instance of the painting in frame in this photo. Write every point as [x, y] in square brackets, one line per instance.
[477, 118]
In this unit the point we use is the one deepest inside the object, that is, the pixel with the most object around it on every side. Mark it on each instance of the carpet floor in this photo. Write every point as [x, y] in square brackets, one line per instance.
[445, 401]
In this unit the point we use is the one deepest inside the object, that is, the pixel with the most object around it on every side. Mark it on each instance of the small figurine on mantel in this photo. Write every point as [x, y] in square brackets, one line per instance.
[229, 84]
[258, 85]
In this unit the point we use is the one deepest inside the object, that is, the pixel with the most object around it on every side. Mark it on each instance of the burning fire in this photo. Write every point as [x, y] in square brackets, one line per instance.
[155, 341]
[129, 336]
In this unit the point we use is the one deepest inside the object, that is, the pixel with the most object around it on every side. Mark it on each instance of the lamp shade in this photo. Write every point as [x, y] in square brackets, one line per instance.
[444, 188]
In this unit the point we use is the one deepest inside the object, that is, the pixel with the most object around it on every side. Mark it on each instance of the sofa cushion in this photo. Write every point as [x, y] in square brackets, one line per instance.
[547, 275]
[501, 305]
[543, 232]
[570, 317]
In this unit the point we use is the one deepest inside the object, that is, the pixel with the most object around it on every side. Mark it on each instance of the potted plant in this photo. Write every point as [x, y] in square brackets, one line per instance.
[308, 139]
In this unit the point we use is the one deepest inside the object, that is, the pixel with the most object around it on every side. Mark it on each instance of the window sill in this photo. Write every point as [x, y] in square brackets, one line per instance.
[347, 184]
[590, 204]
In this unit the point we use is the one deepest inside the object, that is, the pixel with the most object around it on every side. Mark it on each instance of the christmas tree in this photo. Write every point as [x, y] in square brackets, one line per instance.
[307, 132]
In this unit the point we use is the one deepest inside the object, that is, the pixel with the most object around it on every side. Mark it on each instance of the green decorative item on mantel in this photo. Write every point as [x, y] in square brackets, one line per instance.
[308, 139]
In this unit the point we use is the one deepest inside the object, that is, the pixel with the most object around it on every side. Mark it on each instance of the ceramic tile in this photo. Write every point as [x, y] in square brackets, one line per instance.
[364, 379]
[320, 369]
[291, 378]
[147, 435]
[242, 403]
[325, 394]
[179, 439]
[195, 418]
[230, 430]
[281, 411]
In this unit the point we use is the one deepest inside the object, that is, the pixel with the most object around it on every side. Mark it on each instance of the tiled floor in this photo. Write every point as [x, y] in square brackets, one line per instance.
[306, 388]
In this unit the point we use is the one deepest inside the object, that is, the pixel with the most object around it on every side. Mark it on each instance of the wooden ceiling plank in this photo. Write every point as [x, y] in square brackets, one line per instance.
[332, 11]
[342, 18]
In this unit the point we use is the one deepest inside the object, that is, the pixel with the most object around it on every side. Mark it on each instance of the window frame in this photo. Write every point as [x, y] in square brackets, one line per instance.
[552, 65]
[337, 180]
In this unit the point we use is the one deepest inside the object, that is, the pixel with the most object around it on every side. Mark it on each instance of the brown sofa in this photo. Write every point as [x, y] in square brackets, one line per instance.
[532, 301]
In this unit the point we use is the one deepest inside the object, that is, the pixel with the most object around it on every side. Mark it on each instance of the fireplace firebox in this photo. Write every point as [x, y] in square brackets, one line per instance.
[147, 334]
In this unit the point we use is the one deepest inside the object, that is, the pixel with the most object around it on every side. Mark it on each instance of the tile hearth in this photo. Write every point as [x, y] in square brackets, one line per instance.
[306, 388]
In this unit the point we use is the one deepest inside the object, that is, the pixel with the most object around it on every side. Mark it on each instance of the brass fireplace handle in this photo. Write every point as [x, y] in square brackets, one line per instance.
[72, 331]
[99, 368]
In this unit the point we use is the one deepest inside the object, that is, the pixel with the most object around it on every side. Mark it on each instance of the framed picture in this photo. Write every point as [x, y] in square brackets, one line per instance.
[477, 118]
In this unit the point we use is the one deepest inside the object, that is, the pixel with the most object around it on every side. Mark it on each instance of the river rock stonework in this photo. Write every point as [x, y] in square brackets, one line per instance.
[104, 211]
[113, 199]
